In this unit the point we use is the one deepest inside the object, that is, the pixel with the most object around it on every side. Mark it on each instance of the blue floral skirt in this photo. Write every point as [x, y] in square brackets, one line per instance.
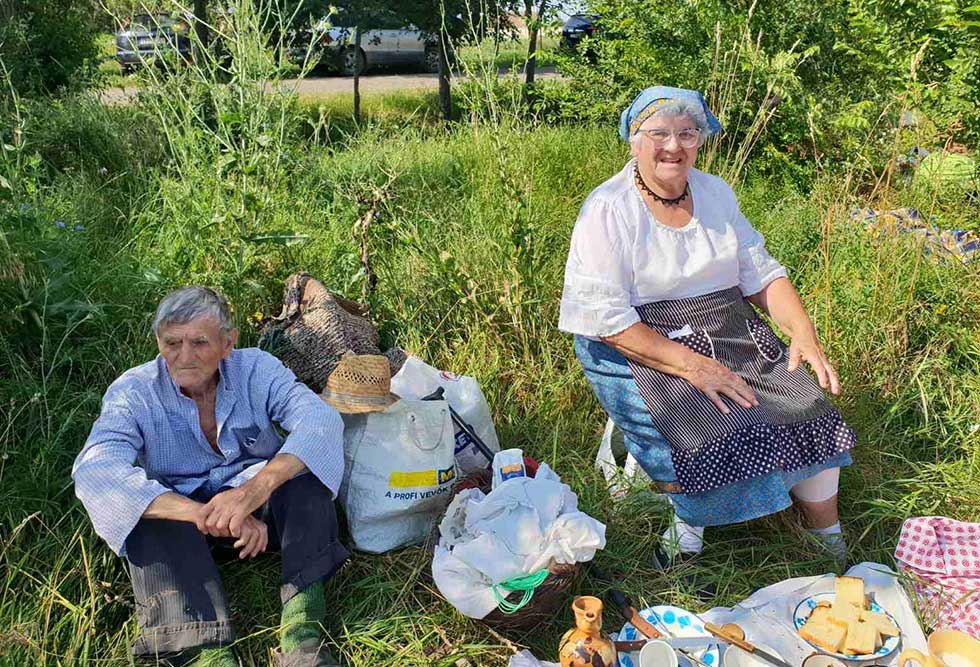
[612, 381]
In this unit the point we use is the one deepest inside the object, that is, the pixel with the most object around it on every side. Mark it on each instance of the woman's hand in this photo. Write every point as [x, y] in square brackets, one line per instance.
[782, 302]
[715, 380]
[807, 348]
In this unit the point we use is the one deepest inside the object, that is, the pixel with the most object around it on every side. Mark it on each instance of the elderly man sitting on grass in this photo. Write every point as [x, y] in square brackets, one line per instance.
[186, 455]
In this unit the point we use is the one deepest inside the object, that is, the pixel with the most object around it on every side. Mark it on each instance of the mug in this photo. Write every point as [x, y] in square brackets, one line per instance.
[947, 648]
[656, 653]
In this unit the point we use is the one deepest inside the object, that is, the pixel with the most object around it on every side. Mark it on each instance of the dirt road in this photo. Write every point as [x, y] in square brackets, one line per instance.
[331, 85]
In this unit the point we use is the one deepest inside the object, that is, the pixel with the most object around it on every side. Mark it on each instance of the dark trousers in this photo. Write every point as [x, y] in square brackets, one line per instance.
[180, 603]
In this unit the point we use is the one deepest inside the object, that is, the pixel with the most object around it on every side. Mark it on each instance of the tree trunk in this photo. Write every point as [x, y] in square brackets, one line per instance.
[445, 97]
[533, 37]
[532, 55]
[201, 28]
[357, 75]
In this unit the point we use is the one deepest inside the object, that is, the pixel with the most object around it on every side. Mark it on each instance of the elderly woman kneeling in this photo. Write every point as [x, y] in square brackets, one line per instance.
[660, 284]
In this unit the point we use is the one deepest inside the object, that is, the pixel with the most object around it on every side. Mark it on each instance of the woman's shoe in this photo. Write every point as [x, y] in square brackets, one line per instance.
[664, 563]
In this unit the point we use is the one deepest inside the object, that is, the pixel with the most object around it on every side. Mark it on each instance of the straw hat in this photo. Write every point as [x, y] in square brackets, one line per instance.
[360, 383]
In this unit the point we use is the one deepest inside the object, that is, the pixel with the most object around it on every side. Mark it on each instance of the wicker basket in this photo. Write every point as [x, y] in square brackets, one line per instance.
[550, 598]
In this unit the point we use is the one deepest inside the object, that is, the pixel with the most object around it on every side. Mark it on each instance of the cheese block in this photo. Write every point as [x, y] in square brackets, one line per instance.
[819, 614]
[824, 630]
[849, 590]
[845, 612]
[882, 623]
[861, 638]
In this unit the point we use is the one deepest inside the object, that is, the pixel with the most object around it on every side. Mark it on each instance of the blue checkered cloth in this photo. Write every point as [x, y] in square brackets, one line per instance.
[148, 440]
[948, 244]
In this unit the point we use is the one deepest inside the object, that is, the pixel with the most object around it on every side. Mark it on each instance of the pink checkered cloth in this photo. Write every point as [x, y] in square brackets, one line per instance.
[943, 555]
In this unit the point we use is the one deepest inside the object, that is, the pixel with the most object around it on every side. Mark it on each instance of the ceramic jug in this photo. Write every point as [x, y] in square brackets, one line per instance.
[947, 648]
[586, 645]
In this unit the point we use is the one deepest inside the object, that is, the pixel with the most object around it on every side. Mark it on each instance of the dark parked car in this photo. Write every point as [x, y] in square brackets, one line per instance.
[152, 38]
[576, 27]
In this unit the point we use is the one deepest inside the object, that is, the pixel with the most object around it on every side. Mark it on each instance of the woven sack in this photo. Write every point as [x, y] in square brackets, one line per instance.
[316, 327]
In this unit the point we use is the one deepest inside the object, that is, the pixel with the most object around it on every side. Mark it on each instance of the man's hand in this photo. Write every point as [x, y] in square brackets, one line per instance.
[254, 538]
[227, 512]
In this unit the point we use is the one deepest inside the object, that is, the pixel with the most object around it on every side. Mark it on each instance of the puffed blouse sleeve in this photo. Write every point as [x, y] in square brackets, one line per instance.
[756, 267]
[595, 301]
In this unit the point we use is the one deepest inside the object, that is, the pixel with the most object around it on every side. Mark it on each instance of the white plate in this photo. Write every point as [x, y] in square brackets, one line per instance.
[806, 607]
[678, 623]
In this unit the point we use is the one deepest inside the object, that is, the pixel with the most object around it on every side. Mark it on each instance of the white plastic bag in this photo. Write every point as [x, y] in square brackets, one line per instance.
[399, 473]
[612, 449]
[465, 588]
[417, 379]
[526, 659]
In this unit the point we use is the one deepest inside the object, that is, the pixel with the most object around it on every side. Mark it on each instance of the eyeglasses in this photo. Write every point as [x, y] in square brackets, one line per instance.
[686, 138]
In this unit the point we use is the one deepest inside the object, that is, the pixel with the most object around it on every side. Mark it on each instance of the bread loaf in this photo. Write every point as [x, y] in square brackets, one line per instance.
[861, 638]
[824, 631]
[849, 590]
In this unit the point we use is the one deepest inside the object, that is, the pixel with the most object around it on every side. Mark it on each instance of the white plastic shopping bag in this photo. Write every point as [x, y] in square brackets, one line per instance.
[399, 472]
[417, 379]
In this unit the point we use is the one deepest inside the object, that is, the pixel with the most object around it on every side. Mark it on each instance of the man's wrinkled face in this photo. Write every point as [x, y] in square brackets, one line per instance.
[193, 351]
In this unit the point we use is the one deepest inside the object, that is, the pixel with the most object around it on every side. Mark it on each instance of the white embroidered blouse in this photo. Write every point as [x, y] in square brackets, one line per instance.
[622, 257]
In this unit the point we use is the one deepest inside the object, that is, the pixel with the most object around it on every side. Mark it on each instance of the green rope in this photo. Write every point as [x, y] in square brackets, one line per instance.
[527, 583]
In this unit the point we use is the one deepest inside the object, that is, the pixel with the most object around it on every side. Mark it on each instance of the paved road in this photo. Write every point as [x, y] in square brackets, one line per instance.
[330, 85]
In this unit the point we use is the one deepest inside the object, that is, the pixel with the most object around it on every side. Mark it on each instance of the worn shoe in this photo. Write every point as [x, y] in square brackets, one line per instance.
[310, 653]
[664, 563]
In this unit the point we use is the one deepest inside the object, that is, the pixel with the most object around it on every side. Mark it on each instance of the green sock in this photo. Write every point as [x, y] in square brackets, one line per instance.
[302, 616]
[215, 657]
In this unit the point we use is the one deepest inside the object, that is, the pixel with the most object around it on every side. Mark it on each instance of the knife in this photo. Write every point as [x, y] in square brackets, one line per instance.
[730, 637]
[629, 612]
[643, 626]
[687, 643]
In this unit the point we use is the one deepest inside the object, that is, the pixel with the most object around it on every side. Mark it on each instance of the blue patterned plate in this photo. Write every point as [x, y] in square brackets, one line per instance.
[806, 607]
[678, 623]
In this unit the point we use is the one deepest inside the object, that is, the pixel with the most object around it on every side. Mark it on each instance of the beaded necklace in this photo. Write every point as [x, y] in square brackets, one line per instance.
[666, 201]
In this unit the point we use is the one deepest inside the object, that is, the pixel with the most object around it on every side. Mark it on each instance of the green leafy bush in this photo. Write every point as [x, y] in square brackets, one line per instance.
[47, 45]
[837, 74]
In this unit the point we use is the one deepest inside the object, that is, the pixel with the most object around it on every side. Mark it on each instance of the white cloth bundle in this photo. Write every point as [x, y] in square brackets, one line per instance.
[523, 526]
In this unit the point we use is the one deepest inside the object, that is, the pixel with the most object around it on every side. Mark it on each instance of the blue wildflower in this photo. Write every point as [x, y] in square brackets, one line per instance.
[25, 207]
[60, 224]
[79, 228]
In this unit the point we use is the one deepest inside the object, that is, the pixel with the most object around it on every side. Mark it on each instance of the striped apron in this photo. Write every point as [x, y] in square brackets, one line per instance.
[794, 426]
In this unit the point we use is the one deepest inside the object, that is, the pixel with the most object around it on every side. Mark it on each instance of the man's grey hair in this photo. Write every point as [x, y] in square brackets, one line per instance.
[190, 303]
[675, 108]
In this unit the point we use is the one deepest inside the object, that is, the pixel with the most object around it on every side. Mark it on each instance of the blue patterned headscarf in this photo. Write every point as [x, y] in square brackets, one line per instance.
[650, 100]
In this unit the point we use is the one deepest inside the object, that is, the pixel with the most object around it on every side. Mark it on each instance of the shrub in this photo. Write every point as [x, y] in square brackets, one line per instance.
[841, 72]
[48, 45]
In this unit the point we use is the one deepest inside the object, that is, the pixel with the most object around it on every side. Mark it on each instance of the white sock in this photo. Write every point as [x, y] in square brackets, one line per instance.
[832, 538]
[682, 538]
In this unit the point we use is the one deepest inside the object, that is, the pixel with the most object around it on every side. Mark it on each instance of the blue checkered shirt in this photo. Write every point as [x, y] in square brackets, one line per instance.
[148, 440]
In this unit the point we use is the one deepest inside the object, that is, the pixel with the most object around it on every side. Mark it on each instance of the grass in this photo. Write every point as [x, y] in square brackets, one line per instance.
[469, 247]
[510, 53]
